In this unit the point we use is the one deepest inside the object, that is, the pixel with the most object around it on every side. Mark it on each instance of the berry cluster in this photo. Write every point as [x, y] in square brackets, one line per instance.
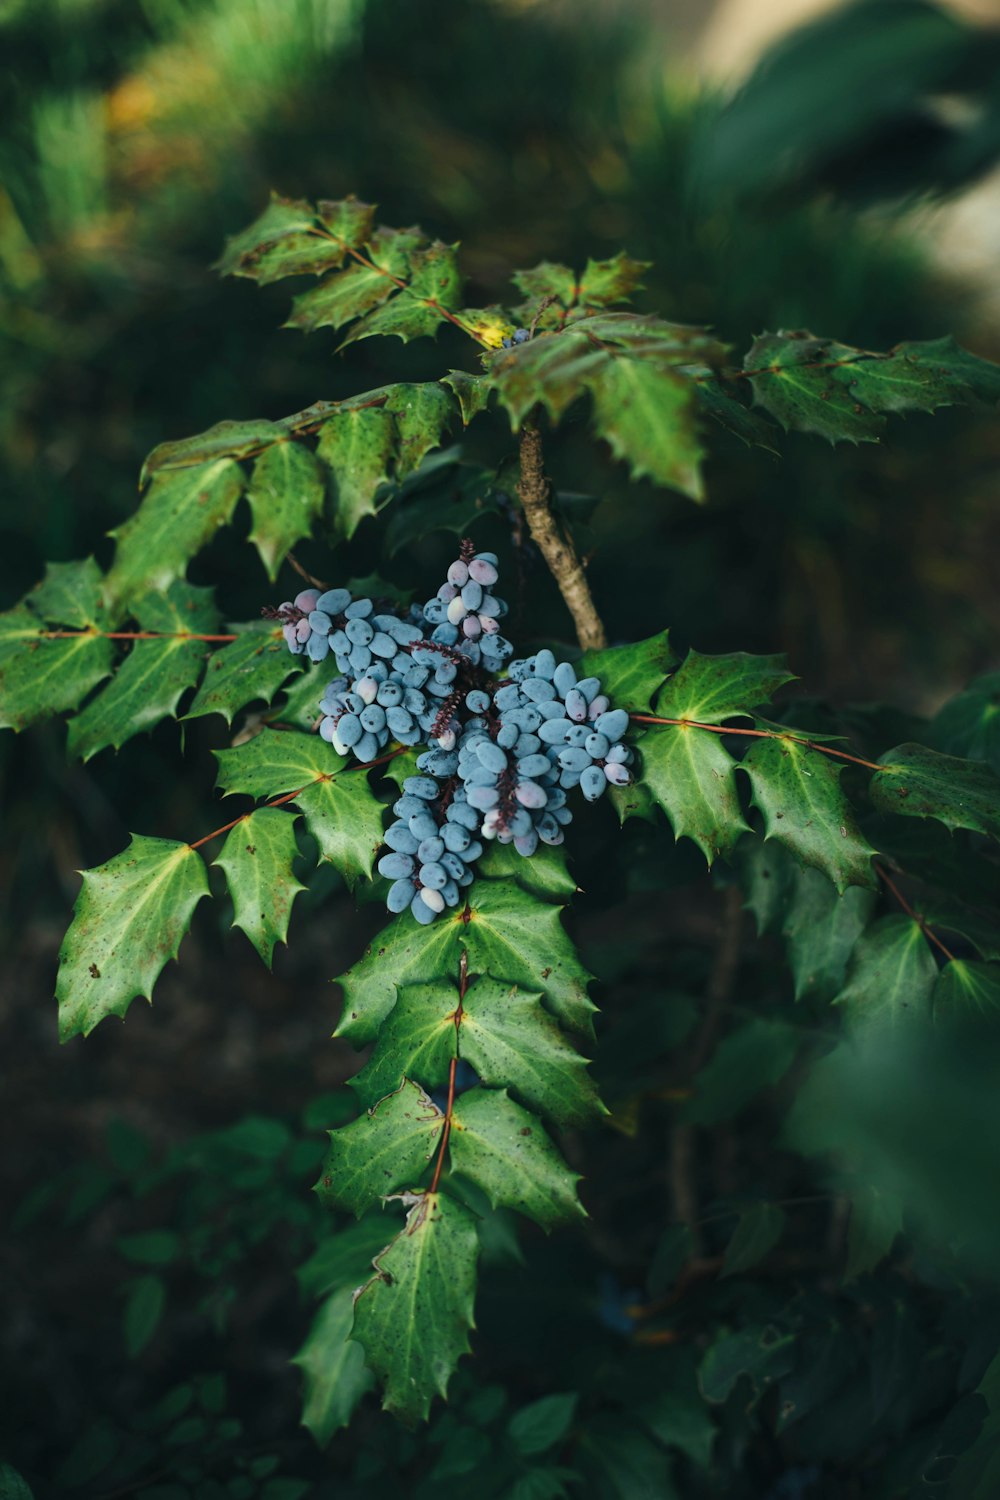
[502, 753]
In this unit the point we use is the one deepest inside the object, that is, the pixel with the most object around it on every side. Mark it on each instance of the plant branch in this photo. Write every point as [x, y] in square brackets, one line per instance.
[921, 922]
[135, 635]
[463, 985]
[557, 548]
[761, 734]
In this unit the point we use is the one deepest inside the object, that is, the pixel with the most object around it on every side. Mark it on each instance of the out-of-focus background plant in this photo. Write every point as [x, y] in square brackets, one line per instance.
[839, 175]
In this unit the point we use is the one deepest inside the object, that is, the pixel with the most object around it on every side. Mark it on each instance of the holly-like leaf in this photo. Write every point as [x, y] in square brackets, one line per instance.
[545, 874]
[712, 689]
[358, 447]
[922, 783]
[181, 512]
[69, 594]
[128, 921]
[797, 790]
[548, 279]
[758, 1231]
[817, 385]
[257, 858]
[292, 238]
[963, 986]
[730, 413]
[39, 677]
[646, 413]
[505, 1151]
[471, 391]
[413, 1317]
[423, 413]
[891, 976]
[631, 675]
[508, 933]
[234, 440]
[286, 498]
[506, 1035]
[346, 295]
[551, 369]
[689, 772]
[341, 811]
[607, 281]
[250, 669]
[821, 928]
[155, 674]
[434, 284]
[333, 1368]
[969, 724]
[386, 1148]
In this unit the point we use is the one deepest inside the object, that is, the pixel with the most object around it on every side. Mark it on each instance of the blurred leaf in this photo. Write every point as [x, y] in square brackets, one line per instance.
[969, 724]
[646, 414]
[536, 1428]
[608, 281]
[758, 1231]
[761, 1353]
[892, 974]
[333, 1368]
[153, 1247]
[12, 1485]
[875, 1224]
[962, 986]
[293, 239]
[755, 1056]
[90, 1456]
[821, 928]
[143, 1311]
[128, 922]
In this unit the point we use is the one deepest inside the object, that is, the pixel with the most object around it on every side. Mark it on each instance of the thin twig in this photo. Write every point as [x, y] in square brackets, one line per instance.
[558, 550]
[463, 984]
[761, 734]
[921, 922]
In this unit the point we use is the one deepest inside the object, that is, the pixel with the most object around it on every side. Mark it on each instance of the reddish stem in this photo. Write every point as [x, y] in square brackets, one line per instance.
[921, 922]
[760, 734]
[463, 984]
[135, 635]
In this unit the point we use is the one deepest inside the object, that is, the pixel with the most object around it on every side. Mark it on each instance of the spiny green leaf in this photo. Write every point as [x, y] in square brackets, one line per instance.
[413, 1317]
[922, 783]
[964, 986]
[755, 1056]
[341, 811]
[758, 1231]
[821, 929]
[69, 594]
[797, 790]
[344, 1258]
[646, 413]
[386, 1148]
[550, 369]
[891, 975]
[631, 675]
[545, 874]
[507, 1036]
[286, 498]
[225, 440]
[358, 447]
[150, 681]
[39, 677]
[250, 669]
[875, 1224]
[763, 1354]
[969, 724]
[423, 414]
[607, 281]
[548, 279]
[508, 933]
[690, 774]
[505, 1151]
[434, 283]
[472, 392]
[181, 512]
[333, 1368]
[128, 921]
[350, 294]
[284, 240]
[257, 858]
[720, 404]
[711, 689]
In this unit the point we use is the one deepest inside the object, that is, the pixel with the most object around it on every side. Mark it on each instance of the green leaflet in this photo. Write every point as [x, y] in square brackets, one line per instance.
[758, 1231]
[646, 414]
[128, 920]
[548, 279]
[551, 370]
[507, 934]
[413, 1317]
[257, 858]
[754, 1056]
[286, 498]
[333, 1368]
[922, 783]
[711, 689]
[965, 987]
[505, 1150]
[763, 1354]
[423, 413]
[341, 811]
[358, 447]
[797, 790]
[607, 281]
[151, 679]
[250, 669]
[433, 283]
[181, 511]
[346, 295]
[969, 724]
[225, 440]
[293, 239]
[388, 1147]
[631, 675]
[69, 594]
[544, 875]
[817, 385]
[471, 391]
[38, 677]
[891, 976]
[820, 931]
[690, 774]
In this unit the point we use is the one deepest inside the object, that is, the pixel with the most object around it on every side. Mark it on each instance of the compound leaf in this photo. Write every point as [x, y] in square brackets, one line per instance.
[689, 772]
[434, 284]
[922, 783]
[40, 677]
[250, 669]
[286, 498]
[386, 1148]
[358, 447]
[797, 790]
[128, 920]
[346, 295]
[413, 1317]
[341, 811]
[181, 512]
[291, 238]
[505, 1150]
[257, 858]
